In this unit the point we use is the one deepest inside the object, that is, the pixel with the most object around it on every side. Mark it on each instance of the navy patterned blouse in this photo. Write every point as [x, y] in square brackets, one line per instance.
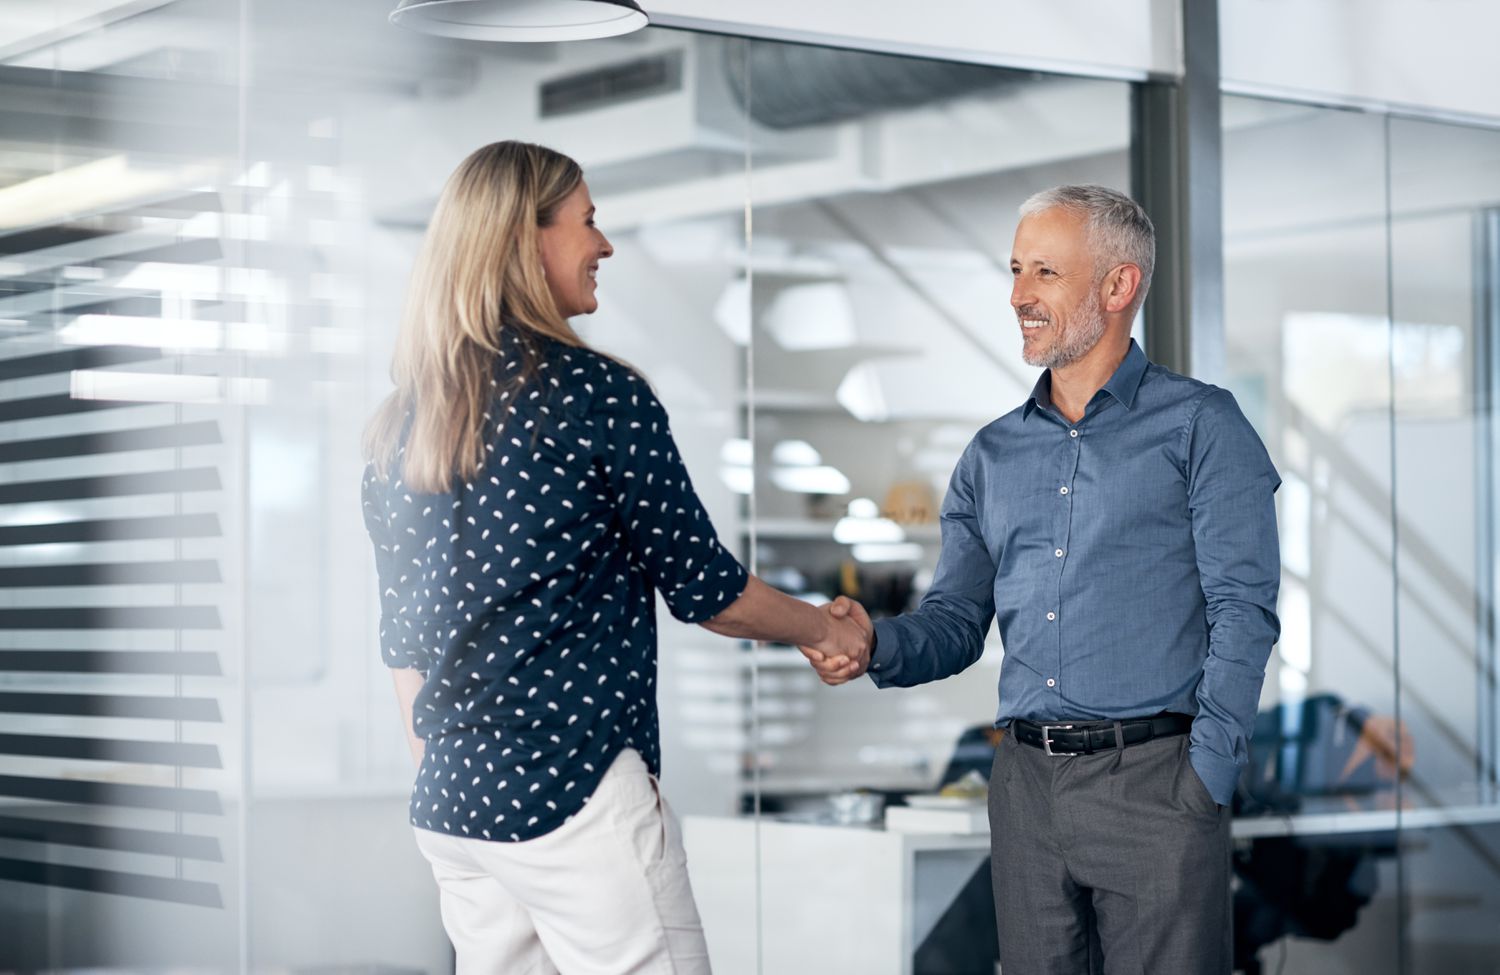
[526, 596]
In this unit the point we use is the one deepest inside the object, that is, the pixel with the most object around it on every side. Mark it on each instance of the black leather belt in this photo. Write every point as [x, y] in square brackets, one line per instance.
[1087, 737]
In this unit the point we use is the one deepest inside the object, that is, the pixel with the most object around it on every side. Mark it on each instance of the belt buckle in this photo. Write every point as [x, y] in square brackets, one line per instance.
[1047, 739]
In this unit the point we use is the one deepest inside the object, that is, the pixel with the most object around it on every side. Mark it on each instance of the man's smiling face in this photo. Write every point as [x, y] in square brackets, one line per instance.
[1055, 288]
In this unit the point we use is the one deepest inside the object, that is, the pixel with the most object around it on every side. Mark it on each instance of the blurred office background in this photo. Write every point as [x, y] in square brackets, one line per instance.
[208, 211]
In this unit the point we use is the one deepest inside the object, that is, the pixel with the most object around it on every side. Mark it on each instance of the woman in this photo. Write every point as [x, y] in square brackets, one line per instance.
[525, 500]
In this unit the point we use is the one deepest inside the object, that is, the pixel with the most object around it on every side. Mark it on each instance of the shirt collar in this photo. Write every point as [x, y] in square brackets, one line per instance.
[1127, 378]
[1122, 385]
[1041, 394]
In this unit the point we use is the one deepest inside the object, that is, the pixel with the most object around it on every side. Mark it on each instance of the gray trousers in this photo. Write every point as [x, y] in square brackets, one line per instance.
[1108, 864]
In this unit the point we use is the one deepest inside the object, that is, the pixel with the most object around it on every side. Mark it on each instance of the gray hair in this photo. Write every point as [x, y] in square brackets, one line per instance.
[1119, 231]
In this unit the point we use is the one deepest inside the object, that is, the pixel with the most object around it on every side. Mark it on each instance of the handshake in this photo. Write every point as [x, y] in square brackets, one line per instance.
[843, 652]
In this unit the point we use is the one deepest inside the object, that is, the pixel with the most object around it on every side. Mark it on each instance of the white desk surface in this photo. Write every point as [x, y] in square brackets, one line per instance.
[814, 877]
[1335, 821]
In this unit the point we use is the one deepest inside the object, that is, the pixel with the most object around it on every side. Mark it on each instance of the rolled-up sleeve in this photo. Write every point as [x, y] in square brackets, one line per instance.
[945, 634]
[669, 533]
[1231, 498]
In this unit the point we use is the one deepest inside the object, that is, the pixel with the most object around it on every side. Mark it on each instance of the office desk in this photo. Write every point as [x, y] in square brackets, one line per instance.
[859, 900]
[836, 899]
[1334, 818]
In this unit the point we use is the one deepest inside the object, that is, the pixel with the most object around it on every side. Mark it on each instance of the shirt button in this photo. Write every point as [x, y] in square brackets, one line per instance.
[1051, 616]
[1072, 433]
[1051, 682]
[1058, 553]
[1063, 489]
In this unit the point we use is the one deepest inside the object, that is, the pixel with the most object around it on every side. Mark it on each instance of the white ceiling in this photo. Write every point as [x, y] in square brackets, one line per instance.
[28, 24]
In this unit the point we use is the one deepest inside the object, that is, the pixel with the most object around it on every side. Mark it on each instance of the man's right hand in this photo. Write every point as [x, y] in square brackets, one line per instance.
[845, 653]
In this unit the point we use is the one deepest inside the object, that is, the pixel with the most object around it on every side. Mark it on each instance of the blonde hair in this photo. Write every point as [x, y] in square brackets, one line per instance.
[478, 274]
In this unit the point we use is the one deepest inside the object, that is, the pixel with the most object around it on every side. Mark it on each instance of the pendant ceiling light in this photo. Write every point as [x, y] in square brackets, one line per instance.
[520, 20]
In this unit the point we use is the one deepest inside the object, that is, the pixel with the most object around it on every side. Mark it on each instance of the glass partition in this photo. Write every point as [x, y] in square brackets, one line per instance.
[356, 144]
[884, 194]
[883, 340]
[122, 810]
[1308, 352]
[1444, 282]
[210, 210]
[1359, 281]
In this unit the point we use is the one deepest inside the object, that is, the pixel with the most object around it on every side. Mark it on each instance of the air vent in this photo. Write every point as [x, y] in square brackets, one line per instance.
[613, 84]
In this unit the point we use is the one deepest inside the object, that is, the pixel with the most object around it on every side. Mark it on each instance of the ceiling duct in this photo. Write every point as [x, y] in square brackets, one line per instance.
[612, 84]
[795, 86]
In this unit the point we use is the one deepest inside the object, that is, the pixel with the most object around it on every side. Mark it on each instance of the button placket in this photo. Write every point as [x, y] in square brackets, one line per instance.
[1063, 536]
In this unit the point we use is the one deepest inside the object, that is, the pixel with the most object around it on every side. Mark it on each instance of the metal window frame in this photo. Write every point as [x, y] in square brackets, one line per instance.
[1487, 474]
[1177, 172]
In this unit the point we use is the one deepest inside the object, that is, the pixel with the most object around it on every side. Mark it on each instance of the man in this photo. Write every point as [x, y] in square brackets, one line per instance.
[1121, 524]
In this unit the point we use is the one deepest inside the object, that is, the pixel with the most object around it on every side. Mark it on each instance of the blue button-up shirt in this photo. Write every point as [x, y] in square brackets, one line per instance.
[1131, 559]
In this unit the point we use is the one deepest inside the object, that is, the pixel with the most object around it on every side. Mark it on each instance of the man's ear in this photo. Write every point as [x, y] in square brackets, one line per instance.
[1121, 285]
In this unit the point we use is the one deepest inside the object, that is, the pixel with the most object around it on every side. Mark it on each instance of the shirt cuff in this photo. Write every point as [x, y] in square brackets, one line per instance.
[1218, 775]
[883, 662]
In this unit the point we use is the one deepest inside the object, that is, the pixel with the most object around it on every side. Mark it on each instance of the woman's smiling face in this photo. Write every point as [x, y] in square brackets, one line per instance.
[572, 248]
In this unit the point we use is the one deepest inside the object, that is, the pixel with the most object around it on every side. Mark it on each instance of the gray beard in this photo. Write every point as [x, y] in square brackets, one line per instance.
[1076, 340]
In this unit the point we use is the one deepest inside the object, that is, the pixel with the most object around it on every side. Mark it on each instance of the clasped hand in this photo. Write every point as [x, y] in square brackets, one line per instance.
[844, 652]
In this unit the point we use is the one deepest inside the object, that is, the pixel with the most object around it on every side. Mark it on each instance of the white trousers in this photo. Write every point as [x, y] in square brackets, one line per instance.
[606, 893]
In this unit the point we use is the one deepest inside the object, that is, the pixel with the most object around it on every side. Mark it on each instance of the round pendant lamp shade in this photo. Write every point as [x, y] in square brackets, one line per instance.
[520, 20]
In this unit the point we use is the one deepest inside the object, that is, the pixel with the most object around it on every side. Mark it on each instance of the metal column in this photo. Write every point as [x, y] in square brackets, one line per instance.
[1487, 457]
[1178, 175]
